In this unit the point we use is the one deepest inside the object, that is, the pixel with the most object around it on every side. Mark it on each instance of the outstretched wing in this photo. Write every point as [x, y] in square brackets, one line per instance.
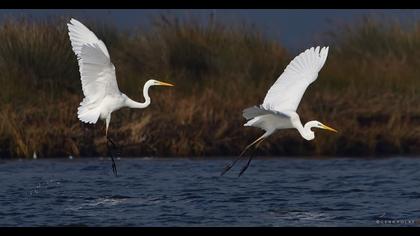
[97, 73]
[287, 91]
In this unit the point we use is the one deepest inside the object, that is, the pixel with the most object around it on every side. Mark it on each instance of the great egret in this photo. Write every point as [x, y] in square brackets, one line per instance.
[278, 110]
[99, 83]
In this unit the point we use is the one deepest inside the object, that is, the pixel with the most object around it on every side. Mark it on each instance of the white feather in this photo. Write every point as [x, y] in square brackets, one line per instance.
[287, 91]
[97, 73]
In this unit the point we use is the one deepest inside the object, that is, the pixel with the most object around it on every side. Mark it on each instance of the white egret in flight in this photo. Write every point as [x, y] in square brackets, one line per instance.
[278, 110]
[99, 83]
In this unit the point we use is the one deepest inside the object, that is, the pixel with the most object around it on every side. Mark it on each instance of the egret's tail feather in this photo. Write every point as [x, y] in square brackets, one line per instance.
[251, 122]
[87, 113]
[90, 117]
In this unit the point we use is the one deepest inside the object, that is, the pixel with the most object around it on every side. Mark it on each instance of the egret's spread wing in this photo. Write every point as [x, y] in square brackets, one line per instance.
[287, 91]
[81, 35]
[97, 73]
[96, 70]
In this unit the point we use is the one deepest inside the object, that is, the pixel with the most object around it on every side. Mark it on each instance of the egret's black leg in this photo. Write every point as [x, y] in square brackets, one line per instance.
[247, 164]
[114, 146]
[229, 166]
[250, 158]
[114, 167]
[111, 154]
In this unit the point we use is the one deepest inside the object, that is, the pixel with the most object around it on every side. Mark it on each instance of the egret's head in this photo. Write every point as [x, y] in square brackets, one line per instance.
[309, 135]
[153, 82]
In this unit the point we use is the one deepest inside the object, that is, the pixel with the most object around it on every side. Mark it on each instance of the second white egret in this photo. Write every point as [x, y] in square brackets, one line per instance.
[278, 110]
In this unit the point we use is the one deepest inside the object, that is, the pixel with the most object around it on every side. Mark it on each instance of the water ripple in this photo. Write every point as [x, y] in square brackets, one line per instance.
[177, 192]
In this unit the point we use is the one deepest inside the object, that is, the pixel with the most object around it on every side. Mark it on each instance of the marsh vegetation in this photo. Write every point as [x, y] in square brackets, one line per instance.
[368, 90]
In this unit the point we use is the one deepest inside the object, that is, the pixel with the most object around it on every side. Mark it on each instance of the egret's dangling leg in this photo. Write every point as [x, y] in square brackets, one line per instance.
[229, 166]
[250, 157]
[109, 140]
[111, 154]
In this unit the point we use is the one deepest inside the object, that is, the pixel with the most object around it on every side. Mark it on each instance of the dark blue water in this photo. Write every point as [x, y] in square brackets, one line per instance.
[182, 192]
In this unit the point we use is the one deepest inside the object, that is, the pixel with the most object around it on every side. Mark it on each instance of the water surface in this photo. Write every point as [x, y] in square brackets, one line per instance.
[187, 192]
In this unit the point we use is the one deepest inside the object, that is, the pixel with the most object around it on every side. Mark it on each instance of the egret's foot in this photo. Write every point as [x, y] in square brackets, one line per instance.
[244, 168]
[114, 167]
[226, 169]
[229, 166]
[247, 163]
[111, 152]
[249, 160]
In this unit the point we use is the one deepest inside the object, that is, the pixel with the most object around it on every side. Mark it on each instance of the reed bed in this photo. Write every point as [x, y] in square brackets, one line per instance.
[368, 90]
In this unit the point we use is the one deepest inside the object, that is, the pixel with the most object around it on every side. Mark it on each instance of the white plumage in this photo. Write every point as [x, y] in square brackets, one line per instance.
[97, 74]
[99, 83]
[81, 35]
[287, 91]
[278, 110]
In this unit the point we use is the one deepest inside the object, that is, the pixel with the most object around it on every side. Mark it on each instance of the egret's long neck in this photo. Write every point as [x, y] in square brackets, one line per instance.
[133, 104]
[309, 134]
[302, 130]
[305, 131]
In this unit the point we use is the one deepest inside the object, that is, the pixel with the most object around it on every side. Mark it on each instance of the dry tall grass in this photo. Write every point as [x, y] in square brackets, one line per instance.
[368, 90]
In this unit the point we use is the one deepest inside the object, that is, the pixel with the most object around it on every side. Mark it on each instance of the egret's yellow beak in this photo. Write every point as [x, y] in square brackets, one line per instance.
[329, 128]
[165, 84]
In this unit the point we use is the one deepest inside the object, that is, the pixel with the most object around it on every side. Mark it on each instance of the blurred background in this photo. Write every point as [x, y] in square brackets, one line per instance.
[221, 61]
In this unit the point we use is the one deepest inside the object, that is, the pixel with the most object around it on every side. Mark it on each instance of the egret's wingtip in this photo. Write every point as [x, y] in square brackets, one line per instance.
[73, 21]
[325, 49]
